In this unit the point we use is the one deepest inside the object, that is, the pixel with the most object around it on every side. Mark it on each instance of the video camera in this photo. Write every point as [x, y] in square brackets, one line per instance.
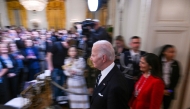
[85, 24]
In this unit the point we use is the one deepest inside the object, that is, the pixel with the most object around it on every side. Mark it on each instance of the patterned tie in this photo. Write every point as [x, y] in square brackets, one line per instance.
[97, 80]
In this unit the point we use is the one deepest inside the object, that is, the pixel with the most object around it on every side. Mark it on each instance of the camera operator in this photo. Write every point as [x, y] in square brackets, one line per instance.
[98, 33]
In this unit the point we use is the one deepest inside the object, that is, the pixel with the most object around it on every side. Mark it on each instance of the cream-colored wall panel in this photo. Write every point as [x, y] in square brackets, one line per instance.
[170, 13]
[4, 16]
[176, 36]
[171, 10]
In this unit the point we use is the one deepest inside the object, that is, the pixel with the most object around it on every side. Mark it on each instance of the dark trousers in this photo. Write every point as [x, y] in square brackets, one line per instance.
[22, 78]
[4, 91]
[166, 102]
[131, 86]
[13, 86]
[32, 73]
[59, 77]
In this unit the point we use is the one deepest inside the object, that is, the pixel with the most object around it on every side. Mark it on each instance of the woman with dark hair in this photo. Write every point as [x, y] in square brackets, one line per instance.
[74, 69]
[148, 92]
[171, 73]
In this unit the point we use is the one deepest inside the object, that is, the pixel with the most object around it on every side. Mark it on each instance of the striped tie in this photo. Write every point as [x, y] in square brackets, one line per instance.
[97, 80]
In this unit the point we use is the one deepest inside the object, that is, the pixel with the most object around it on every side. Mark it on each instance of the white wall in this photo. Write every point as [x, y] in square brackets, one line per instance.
[40, 15]
[3, 11]
[75, 9]
[135, 19]
[130, 20]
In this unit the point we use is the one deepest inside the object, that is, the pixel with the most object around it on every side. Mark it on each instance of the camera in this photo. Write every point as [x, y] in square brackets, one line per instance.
[85, 24]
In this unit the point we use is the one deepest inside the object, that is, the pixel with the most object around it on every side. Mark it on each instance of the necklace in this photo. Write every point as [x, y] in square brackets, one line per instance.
[137, 88]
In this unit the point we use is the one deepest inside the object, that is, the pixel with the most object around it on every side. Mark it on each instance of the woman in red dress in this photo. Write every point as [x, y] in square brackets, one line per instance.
[149, 89]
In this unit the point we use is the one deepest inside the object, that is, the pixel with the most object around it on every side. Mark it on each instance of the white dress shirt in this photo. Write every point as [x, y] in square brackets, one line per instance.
[106, 71]
[135, 55]
[166, 70]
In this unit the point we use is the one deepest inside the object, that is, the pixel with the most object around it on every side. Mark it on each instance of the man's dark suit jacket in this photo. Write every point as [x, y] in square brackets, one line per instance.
[128, 60]
[112, 92]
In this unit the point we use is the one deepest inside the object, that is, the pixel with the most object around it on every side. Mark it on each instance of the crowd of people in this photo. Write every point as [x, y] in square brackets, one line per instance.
[121, 77]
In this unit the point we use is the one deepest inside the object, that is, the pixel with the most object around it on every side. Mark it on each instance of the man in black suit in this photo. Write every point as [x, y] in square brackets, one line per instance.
[111, 89]
[131, 61]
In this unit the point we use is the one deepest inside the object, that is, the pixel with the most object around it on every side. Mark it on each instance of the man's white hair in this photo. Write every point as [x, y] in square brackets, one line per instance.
[105, 48]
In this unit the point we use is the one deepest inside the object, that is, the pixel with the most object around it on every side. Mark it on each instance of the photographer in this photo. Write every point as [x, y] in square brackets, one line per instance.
[98, 33]
[94, 32]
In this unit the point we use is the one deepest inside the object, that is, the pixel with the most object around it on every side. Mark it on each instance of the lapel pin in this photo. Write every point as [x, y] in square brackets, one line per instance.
[100, 94]
[104, 84]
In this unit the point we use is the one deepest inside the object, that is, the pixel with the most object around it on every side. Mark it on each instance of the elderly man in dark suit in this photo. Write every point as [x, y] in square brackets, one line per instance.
[111, 86]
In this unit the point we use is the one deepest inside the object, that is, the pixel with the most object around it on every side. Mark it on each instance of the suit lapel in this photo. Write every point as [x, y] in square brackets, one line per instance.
[128, 56]
[104, 83]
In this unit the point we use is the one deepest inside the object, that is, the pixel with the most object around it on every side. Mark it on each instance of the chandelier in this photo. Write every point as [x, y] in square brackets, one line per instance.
[34, 5]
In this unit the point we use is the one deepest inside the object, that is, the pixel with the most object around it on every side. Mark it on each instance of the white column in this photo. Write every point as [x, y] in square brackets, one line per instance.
[130, 19]
[117, 19]
[4, 15]
[143, 23]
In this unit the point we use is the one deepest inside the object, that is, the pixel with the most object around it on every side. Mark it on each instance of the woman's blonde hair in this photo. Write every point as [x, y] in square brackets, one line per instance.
[120, 38]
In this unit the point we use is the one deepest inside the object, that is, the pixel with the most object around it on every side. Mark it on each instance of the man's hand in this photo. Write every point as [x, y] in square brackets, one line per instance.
[90, 91]
[73, 72]
[11, 75]
[20, 56]
[28, 57]
[50, 68]
[65, 44]
[33, 57]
